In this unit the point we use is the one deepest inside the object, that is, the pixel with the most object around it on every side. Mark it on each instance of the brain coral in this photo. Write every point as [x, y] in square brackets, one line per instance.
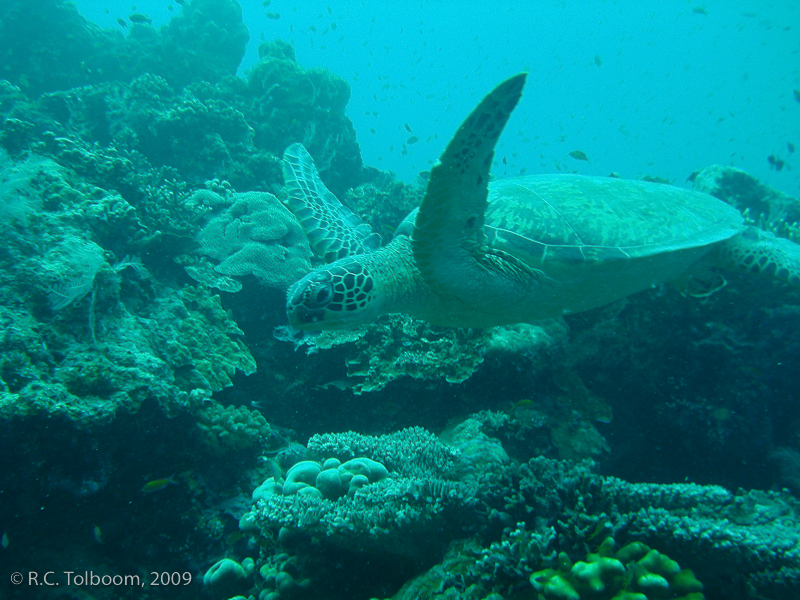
[257, 236]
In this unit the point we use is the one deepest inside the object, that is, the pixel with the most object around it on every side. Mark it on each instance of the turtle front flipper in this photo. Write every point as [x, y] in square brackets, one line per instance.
[758, 251]
[333, 230]
[448, 235]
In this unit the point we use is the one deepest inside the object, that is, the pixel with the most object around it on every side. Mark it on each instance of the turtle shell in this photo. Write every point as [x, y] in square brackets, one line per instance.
[567, 219]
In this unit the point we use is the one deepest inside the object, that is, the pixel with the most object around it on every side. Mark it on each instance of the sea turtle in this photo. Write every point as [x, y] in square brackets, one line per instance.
[478, 253]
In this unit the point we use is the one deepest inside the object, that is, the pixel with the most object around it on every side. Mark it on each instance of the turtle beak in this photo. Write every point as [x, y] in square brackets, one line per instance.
[300, 317]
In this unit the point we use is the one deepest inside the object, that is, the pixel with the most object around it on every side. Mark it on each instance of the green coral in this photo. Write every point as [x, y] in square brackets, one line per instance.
[232, 428]
[193, 135]
[397, 346]
[329, 479]
[200, 339]
[257, 236]
[635, 572]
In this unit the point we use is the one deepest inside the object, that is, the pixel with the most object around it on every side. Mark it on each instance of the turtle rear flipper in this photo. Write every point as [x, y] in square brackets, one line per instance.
[758, 251]
[332, 229]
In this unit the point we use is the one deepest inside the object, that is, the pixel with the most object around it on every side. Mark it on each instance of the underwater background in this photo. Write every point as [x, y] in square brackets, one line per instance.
[163, 434]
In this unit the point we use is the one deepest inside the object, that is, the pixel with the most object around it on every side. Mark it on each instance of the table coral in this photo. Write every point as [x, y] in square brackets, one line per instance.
[549, 514]
[392, 513]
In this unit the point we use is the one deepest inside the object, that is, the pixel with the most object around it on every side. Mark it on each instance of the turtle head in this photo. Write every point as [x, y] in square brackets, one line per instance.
[335, 296]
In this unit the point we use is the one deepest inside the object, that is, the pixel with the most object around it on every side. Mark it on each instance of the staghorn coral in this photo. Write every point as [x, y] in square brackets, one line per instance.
[413, 510]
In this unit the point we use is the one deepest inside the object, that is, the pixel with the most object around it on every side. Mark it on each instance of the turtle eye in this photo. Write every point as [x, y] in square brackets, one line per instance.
[318, 294]
[323, 295]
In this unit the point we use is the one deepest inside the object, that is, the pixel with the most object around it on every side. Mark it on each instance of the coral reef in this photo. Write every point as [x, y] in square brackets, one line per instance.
[55, 48]
[91, 335]
[139, 175]
[547, 526]
[769, 209]
[384, 207]
[233, 429]
[398, 515]
[396, 345]
[634, 572]
[257, 236]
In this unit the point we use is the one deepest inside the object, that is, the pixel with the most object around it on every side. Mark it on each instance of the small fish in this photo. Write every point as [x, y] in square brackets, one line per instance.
[139, 18]
[4, 541]
[721, 414]
[775, 162]
[275, 469]
[97, 533]
[339, 384]
[122, 23]
[181, 2]
[333, 26]
[579, 155]
[599, 527]
[266, 3]
[159, 484]
[692, 176]
[797, 95]
[614, 174]
[790, 147]
[523, 404]
[699, 10]
[233, 537]
[408, 127]
[597, 60]
[273, 16]
[412, 140]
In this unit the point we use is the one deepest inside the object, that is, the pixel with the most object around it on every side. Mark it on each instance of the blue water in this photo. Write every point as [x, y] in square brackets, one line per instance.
[143, 399]
[642, 88]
